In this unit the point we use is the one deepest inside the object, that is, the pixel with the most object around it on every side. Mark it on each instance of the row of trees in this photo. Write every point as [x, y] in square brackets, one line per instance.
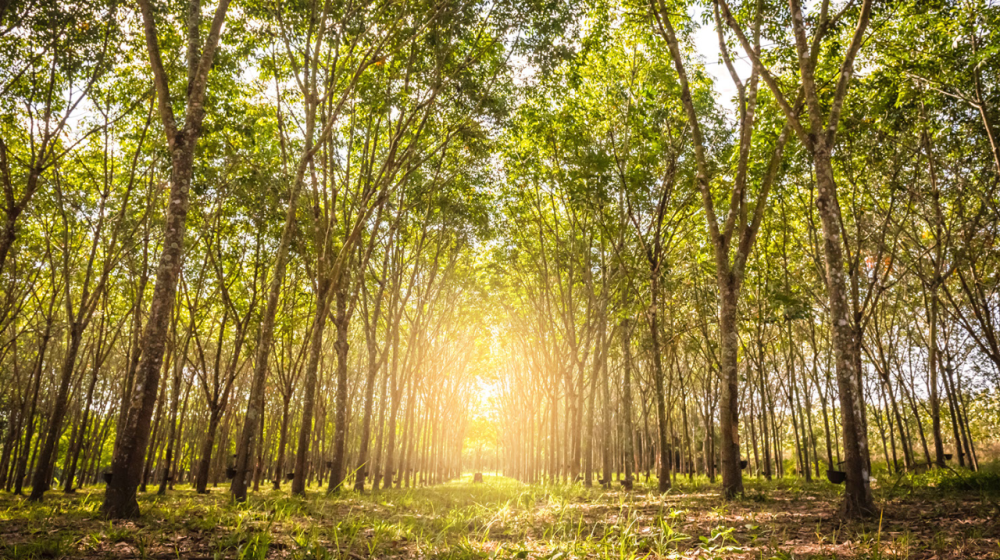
[192, 197]
[809, 269]
[288, 241]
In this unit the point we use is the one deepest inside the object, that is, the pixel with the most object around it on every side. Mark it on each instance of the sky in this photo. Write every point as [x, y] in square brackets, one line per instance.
[705, 40]
[706, 43]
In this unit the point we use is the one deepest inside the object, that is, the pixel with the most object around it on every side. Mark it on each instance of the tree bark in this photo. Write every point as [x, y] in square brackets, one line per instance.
[133, 434]
[857, 494]
[932, 382]
[627, 399]
[76, 446]
[340, 430]
[43, 474]
[373, 366]
[207, 445]
[309, 385]
[29, 415]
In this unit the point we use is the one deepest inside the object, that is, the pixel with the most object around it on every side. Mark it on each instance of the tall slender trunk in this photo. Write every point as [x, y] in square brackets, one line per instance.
[606, 423]
[801, 453]
[963, 410]
[903, 435]
[373, 367]
[151, 450]
[920, 425]
[378, 465]
[29, 415]
[857, 494]
[175, 395]
[391, 428]
[588, 457]
[340, 431]
[688, 445]
[76, 446]
[133, 433]
[309, 384]
[258, 468]
[663, 475]
[172, 435]
[764, 408]
[408, 438]
[9, 446]
[956, 426]
[729, 423]
[627, 398]
[43, 474]
[553, 435]
[279, 463]
[207, 445]
[932, 364]
[810, 436]
[132, 360]
[754, 443]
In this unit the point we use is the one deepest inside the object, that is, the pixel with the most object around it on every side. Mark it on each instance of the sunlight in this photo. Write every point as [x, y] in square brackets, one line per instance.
[499, 279]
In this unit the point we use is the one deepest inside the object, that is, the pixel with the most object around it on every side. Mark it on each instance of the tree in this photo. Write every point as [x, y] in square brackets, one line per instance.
[819, 142]
[739, 225]
[133, 435]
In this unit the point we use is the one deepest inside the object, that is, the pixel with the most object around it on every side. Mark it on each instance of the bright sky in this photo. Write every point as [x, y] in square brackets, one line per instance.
[706, 42]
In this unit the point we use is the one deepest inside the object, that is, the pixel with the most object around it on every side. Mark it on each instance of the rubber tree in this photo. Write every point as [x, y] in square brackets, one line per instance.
[822, 117]
[182, 139]
[739, 229]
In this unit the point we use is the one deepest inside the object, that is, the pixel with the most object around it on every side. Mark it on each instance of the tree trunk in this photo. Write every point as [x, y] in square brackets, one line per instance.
[588, 457]
[43, 474]
[729, 423]
[627, 398]
[373, 367]
[391, 429]
[172, 436]
[606, 422]
[309, 386]
[857, 492]
[764, 408]
[133, 433]
[340, 431]
[378, 465]
[932, 364]
[208, 444]
[279, 464]
[77, 446]
[29, 415]
[663, 475]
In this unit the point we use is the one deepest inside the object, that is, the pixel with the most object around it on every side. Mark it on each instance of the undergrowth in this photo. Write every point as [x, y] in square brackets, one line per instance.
[501, 518]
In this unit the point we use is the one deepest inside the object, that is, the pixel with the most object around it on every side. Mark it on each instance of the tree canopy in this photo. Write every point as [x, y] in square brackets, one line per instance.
[365, 244]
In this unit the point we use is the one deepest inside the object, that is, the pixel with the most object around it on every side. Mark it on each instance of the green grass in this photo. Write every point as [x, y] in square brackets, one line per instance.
[504, 518]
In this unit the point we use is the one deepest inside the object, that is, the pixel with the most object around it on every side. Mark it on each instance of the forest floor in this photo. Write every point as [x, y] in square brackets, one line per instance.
[937, 515]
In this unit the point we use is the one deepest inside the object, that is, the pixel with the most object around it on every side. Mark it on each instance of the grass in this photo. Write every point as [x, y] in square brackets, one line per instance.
[944, 514]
